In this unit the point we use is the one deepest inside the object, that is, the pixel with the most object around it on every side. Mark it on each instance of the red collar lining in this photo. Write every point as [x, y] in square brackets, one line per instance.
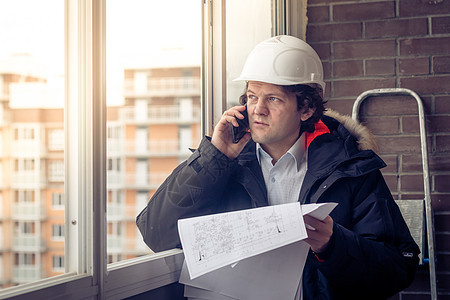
[319, 129]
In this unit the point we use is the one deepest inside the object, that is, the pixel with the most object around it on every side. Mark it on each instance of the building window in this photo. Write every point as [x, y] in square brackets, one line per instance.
[56, 170]
[58, 232]
[56, 140]
[71, 36]
[58, 263]
[57, 201]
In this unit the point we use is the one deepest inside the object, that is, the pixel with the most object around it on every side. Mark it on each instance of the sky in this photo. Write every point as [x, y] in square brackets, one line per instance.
[138, 31]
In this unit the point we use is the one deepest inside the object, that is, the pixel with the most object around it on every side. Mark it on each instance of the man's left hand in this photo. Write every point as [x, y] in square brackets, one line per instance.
[319, 232]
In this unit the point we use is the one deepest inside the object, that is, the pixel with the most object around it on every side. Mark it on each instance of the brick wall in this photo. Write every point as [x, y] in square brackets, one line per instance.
[395, 44]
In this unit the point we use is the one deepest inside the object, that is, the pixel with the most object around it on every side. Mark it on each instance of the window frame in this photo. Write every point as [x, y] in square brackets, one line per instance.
[87, 274]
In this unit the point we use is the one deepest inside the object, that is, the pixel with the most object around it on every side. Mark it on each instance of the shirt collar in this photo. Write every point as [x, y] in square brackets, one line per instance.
[297, 151]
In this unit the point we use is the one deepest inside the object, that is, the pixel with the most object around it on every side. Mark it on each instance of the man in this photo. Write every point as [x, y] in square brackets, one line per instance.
[294, 152]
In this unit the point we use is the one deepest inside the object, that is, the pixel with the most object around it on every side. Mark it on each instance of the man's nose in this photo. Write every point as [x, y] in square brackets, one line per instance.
[261, 107]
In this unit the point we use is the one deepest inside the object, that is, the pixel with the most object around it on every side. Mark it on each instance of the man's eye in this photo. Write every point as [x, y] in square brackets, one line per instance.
[251, 97]
[274, 99]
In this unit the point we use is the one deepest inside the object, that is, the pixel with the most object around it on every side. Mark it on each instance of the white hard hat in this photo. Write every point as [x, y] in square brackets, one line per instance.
[283, 60]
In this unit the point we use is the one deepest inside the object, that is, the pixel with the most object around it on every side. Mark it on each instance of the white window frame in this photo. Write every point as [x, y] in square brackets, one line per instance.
[87, 274]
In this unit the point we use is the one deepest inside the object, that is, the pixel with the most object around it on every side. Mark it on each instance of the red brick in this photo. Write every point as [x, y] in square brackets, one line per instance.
[380, 67]
[427, 85]
[342, 106]
[318, 14]
[444, 262]
[411, 183]
[391, 163]
[411, 163]
[363, 49]
[414, 66]
[441, 64]
[409, 8]
[326, 70]
[442, 183]
[334, 32]
[392, 182]
[442, 240]
[345, 88]
[382, 126]
[443, 280]
[348, 68]
[413, 196]
[410, 124]
[364, 11]
[396, 28]
[440, 202]
[442, 223]
[398, 144]
[442, 104]
[439, 162]
[425, 46]
[442, 143]
[440, 25]
[439, 124]
[322, 49]
[388, 106]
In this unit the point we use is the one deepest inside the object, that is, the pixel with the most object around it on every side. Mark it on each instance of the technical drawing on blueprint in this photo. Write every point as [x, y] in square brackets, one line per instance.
[213, 241]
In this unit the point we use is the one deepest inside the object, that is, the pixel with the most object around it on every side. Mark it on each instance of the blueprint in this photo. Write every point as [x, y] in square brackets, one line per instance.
[214, 241]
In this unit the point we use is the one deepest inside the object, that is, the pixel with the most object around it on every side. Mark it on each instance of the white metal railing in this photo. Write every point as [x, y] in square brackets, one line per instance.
[21, 148]
[120, 211]
[116, 179]
[28, 242]
[161, 114]
[27, 273]
[166, 86]
[152, 146]
[29, 179]
[28, 211]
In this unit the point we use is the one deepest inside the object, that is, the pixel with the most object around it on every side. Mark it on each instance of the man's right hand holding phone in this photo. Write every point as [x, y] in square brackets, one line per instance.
[222, 137]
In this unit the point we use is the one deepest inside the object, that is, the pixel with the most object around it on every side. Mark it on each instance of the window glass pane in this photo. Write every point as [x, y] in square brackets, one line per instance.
[31, 139]
[247, 23]
[153, 98]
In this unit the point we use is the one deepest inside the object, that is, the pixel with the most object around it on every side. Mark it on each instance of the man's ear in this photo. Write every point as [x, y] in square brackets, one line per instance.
[307, 113]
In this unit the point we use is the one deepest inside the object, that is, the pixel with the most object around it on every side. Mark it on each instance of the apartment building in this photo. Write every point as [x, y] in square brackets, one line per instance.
[147, 136]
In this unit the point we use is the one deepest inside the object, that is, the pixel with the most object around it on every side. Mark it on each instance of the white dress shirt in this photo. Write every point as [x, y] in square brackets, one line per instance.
[285, 178]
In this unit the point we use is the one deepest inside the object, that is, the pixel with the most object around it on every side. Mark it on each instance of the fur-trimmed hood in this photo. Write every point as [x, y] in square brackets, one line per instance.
[365, 139]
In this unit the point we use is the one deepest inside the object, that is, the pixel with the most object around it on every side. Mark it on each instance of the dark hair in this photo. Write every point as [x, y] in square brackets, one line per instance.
[307, 97]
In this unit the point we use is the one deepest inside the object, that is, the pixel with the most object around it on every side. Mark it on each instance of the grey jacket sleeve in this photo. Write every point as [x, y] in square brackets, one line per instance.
[193, 188]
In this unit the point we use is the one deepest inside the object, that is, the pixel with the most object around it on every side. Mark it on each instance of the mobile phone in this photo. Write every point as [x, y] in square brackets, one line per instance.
[239, 132]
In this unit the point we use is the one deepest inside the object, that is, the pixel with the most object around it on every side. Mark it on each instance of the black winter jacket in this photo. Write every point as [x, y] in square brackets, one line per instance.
[371, 255]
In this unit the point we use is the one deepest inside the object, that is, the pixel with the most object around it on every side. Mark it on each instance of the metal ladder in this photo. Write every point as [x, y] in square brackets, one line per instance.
[416, 205]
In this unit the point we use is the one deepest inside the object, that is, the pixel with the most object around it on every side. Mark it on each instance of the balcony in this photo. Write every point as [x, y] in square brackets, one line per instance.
[27, 273]
[160, 115]
[29, 179]
[156, 148]
[117, 180]
[164, 87]
[28, 211]
[28, 148]
[28, 242]
[121, 212]
[117, 244]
